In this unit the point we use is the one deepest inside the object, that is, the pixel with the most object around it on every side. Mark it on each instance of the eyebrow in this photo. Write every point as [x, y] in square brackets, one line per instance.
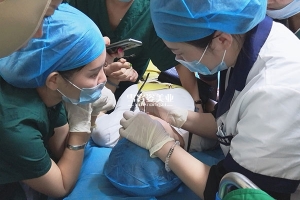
[96, 69]
[172, 49]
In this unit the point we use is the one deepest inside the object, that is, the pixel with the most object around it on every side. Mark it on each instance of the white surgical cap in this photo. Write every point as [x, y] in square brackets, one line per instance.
[187, 20]
[19, 20]
[70, 40]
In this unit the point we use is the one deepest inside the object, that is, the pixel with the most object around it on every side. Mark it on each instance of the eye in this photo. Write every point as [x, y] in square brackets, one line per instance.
[94, 75]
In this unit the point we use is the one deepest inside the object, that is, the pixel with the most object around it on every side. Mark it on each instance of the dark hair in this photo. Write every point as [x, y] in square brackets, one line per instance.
[203, 42]
[69, 73]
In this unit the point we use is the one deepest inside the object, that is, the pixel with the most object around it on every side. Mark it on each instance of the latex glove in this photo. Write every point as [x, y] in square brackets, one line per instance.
[106, 102]
[79, 117]
[140, 129]
[175, 116]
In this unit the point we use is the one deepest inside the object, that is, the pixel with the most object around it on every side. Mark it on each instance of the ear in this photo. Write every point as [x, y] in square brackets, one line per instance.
[222, 41]
[53, 80]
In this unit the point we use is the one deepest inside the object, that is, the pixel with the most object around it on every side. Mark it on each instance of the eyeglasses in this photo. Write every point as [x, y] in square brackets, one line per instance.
[135, 100]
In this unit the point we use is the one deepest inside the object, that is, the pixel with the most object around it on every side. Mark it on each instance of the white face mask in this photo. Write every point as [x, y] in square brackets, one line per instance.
[286, 12]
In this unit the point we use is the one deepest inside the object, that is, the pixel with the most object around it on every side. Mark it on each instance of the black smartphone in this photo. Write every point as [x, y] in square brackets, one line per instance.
[123, 44]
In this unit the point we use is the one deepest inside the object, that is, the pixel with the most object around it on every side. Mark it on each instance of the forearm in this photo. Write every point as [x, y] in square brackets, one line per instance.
[170, 130]
[57, 142]
[190, 170]
[71, 161]
[61, 178]
[202, 124]
[188, 81]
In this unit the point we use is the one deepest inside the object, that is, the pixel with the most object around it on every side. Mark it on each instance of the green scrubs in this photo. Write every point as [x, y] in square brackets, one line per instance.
[135, 24]
[26, 125]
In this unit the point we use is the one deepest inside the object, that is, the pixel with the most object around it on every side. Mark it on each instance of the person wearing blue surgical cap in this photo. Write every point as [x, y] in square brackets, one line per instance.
[257, 118]
[40, 152]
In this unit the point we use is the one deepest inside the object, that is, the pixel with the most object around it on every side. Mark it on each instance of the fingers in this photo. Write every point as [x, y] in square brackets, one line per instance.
[106, 40]
[125, 120]
[128, 114]
[125, 75]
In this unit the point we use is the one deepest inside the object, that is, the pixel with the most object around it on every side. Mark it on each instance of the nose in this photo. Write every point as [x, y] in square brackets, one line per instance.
[39, 32]
[101, 76]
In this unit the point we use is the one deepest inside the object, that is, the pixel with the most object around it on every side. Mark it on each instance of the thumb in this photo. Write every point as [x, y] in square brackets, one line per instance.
[128, 114]
[125, 120]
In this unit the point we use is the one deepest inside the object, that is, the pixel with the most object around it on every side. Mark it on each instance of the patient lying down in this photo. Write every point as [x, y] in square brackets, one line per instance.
[106, 131]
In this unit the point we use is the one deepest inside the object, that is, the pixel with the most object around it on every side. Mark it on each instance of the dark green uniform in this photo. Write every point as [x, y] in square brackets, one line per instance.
[135, 24]
[26, 125]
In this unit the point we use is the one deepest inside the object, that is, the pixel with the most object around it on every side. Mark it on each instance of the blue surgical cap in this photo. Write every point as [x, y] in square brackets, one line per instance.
[187, 20]
[70, 40]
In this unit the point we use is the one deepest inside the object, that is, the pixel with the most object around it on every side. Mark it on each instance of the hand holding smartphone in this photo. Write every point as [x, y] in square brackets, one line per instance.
[123, 44]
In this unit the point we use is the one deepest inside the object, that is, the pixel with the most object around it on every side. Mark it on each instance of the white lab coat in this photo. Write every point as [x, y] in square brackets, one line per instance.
[264, 117]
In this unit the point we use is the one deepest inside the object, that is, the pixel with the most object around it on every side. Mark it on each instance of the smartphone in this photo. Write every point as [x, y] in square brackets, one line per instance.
[123, 44]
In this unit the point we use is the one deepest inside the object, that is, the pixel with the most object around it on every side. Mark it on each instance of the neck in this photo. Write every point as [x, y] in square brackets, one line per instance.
[118, 3]
[49, 97]
[116, 11]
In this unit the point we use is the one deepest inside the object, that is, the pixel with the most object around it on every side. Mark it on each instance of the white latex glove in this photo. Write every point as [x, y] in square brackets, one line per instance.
[79, 117]
[140, 129]
[175, 116]
[106, 102]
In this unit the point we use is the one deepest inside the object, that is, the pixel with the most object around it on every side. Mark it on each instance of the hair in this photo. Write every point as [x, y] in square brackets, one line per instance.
[203, 42]
[69, 73]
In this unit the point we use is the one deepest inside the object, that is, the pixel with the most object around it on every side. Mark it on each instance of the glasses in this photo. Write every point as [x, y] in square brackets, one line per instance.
[135, 100]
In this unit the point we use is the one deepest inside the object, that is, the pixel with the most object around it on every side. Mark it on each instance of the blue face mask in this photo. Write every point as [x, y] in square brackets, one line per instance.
[87, 95]
[197, 66]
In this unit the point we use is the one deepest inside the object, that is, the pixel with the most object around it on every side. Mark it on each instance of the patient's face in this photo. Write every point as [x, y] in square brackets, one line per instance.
[278, 4]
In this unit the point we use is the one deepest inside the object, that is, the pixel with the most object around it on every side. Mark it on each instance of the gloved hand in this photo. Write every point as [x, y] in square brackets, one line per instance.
[175, 116]
[79, 117]
[106, 102]
[140, 129]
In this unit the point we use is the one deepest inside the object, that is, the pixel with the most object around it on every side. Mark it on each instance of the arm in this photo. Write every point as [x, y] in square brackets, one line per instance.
[117, 72]
[61, 177]
[170, 130]
[202, 124]
[189, 82]
[190, 170]
[58, 141]
[154, 137]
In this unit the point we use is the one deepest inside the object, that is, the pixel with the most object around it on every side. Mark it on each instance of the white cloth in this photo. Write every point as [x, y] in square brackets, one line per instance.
[107, 128]
[264, 117]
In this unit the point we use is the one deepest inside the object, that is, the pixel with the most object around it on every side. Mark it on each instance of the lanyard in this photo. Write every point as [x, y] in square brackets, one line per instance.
[255, 39]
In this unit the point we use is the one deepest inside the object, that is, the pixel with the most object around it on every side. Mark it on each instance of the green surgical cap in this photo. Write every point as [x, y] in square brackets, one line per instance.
[187, 20]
